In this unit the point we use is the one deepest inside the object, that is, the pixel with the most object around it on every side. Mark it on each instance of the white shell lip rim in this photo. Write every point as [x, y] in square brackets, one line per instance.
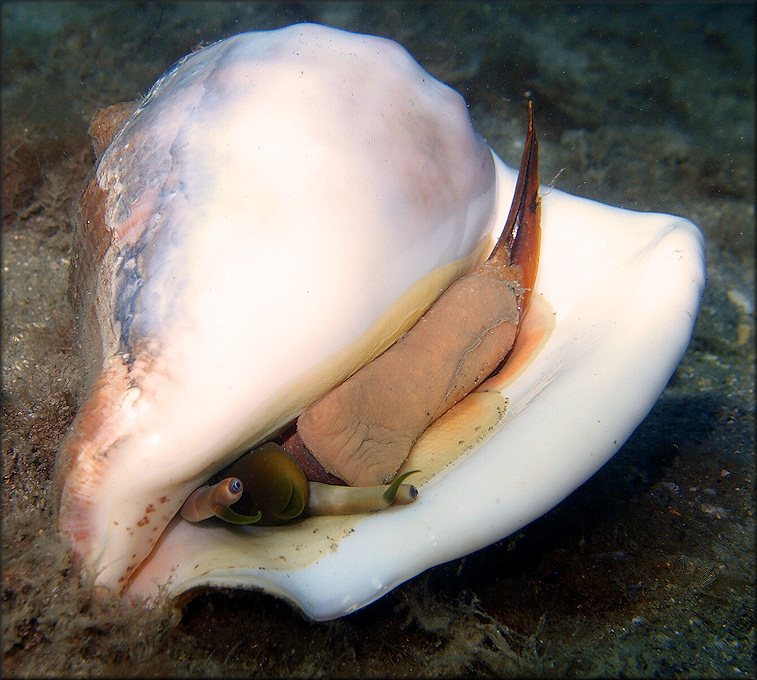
[625, 287]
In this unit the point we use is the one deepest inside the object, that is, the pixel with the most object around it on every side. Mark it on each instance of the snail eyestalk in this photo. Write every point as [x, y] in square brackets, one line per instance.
[399, 493]
[208, 501]
[329, 499]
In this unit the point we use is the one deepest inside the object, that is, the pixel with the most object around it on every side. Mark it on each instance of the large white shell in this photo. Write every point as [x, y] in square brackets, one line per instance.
[617, 293]
[279, 209]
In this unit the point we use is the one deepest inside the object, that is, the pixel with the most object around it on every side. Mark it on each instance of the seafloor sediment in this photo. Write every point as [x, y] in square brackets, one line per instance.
[648, 569]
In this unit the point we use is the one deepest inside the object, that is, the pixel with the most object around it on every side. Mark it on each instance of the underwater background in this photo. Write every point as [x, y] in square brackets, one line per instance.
[646, 570]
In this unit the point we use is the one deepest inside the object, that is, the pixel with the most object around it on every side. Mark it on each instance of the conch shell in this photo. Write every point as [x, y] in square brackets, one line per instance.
[278, 210]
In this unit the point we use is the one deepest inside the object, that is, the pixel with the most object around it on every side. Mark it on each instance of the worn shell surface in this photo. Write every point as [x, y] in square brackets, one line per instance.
[257, 263]
[279, 208]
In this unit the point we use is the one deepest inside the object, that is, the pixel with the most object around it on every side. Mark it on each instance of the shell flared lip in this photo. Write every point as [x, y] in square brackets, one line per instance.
[619, 291]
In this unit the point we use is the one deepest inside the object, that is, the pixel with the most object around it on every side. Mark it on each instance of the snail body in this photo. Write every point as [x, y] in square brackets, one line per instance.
[267, 486]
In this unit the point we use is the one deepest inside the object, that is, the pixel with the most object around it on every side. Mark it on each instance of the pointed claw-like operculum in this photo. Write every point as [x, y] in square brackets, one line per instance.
[269, 488]
[520, 241]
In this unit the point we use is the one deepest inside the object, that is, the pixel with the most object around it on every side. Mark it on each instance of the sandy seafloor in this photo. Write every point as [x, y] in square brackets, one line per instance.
[646, 570]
